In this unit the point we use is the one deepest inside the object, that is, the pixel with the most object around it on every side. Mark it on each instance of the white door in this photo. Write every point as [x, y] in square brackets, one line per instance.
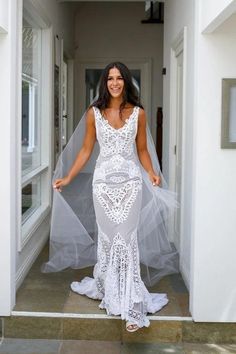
[61, 99]
[64, 117]
[178, 143]
[176, 128]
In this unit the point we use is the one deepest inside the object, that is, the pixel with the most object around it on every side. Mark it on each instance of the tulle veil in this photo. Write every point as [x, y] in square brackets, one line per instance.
[73, 232]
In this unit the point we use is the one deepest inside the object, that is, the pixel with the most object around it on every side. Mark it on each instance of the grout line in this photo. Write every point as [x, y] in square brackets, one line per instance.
[93, 316]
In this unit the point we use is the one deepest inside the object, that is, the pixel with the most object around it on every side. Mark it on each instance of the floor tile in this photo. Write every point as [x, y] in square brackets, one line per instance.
[90, 347]
[92, 329]
[29, 346]
[183, 302]
[171, 309]
[209, 332]
[157, 332]
[32, 327]
[150, 348]
[76, 303]
[191, 348]
[40, 300]
[177, 283]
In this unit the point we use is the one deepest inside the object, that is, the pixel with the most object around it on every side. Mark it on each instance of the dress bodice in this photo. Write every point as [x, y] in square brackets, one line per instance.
[116, 141]
[117, 161]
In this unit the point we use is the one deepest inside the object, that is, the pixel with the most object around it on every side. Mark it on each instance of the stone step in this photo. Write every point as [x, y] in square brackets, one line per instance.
[54, 346]
[71, 326]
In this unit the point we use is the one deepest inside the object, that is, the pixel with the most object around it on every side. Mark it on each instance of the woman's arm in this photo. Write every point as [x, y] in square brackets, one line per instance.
[84, 153]
[143, 154]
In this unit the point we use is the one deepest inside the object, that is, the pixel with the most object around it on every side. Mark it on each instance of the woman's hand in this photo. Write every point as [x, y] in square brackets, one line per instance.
[61, 182]
[155, 179]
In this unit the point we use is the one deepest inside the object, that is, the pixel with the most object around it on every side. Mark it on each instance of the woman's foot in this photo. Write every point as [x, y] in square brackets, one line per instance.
[131, 327]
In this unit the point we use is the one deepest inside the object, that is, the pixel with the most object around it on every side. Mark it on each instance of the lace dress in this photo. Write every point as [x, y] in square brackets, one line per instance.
[117, 196]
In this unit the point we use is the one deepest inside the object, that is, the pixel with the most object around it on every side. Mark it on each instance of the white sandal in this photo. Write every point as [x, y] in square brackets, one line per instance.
[131, 327]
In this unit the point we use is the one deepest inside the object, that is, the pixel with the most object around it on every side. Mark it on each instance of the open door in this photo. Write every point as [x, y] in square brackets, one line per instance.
[60, 99]
[176, 129]
[178, 144]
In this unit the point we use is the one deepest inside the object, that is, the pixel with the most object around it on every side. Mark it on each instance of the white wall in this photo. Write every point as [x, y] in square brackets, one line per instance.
[214, 13]
[62, 17]
[180, 14]
[4, 8]
[210, 172]
[214, 286]
[114, 30]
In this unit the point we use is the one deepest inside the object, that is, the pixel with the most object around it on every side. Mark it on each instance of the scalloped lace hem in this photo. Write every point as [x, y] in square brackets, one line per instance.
[150, 303]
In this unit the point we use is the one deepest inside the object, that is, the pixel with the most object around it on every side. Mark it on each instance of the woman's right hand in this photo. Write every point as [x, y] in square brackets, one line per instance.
[61, 182]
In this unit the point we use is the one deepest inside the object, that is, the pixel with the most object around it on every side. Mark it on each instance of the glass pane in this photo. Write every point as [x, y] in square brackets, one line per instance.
[92, 77]
[31, 88]
[31, 198]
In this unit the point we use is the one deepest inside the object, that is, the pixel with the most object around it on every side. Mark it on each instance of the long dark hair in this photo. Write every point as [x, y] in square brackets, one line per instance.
[130, 93]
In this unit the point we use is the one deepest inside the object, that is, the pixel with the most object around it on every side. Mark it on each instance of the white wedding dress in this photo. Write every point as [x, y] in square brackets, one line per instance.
[117, 197]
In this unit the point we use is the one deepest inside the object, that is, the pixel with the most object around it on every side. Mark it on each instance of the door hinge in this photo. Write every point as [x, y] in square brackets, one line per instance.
[175, 149]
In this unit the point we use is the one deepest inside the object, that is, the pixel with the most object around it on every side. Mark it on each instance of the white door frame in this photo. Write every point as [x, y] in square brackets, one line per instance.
[68, 123]
[178, 46]
[8, 154]
[70, 93]
[144, 65]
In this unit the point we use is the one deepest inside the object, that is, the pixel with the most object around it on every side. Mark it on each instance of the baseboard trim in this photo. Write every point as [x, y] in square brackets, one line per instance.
[185, 275]
[30, 259]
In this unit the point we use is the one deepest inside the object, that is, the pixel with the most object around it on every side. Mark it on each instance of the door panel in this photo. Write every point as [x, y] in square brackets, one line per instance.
[178, 143]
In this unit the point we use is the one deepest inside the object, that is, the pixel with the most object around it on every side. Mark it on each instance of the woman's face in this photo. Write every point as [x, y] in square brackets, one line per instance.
[115, 83]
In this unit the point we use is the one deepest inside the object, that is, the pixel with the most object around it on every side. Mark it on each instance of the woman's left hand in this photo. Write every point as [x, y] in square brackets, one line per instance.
[155, 179]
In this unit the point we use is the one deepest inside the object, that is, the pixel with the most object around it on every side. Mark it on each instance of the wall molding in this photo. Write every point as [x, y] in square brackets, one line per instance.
[185, 274]
[34, 252]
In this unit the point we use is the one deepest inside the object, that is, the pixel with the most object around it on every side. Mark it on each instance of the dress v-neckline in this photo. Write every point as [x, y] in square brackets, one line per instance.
[126, 121]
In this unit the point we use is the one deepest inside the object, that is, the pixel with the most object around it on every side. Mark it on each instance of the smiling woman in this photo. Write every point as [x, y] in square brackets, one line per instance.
[128, 205]
[115, 83]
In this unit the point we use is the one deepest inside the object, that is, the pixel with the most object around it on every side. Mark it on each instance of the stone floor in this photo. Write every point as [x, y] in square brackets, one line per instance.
[36, 346]
[51, 292]
[50, 318]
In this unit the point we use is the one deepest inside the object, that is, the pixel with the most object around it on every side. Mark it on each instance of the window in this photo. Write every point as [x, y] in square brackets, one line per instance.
[31, 89]
[35, 145]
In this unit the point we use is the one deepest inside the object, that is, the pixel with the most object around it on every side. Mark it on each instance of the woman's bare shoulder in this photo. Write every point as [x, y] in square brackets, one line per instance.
[90, 111]
[90, 117]
[142, 115]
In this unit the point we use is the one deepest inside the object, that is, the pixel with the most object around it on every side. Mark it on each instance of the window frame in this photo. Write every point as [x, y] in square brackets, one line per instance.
[226, 85]
[36, 16]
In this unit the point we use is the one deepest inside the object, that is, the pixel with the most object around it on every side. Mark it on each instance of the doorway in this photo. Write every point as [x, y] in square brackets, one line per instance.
[176, 137]
[63, 98]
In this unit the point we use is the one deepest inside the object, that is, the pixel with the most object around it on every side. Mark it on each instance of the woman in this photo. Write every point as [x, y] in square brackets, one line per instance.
[117, 120]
